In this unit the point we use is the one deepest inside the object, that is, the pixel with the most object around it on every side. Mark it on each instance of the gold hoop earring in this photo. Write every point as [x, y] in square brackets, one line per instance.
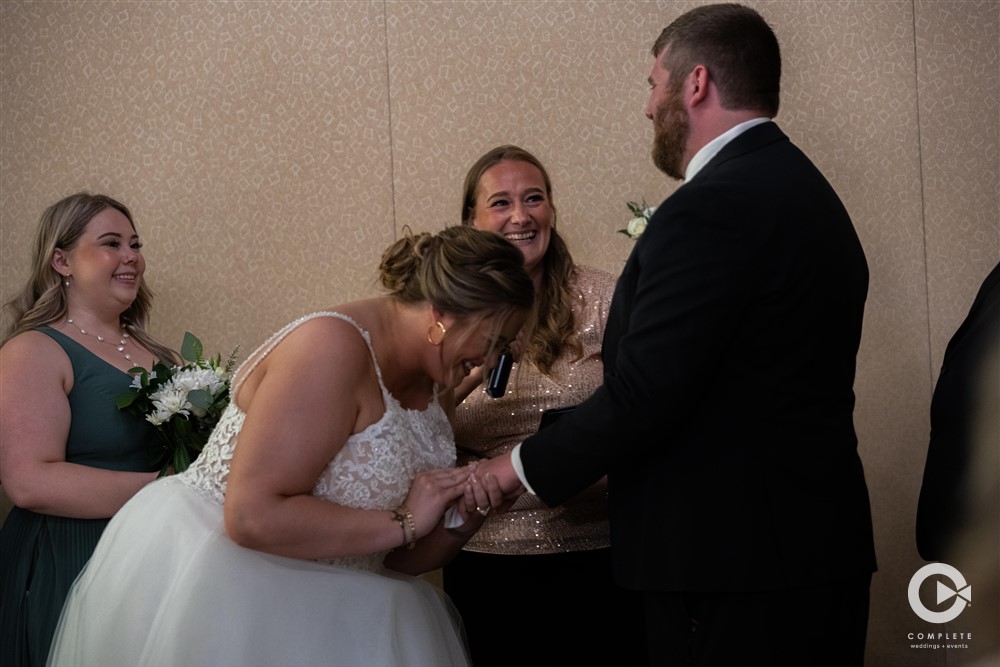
[430, 332]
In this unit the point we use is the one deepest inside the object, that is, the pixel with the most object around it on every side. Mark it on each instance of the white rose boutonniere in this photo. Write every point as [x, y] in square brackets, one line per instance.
[637, 225]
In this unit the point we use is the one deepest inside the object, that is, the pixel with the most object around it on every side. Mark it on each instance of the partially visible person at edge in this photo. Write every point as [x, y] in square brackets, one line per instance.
[69, 458]
[725, 421]
[958, 512]
[291, 539]
[558, 560]
[964, 431]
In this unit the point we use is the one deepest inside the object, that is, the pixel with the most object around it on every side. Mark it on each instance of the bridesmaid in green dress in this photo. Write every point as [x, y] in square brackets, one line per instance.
[69, 458]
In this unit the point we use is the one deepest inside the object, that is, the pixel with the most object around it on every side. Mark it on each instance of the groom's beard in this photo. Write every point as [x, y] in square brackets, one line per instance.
[671, 129]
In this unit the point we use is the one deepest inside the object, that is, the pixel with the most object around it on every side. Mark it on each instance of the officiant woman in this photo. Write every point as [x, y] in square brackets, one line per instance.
[69, 458]
[533, 565]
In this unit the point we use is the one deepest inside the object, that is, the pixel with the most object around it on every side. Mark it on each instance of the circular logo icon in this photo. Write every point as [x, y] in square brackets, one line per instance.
[960, 590]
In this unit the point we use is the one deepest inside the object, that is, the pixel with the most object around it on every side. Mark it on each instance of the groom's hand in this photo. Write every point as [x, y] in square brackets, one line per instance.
[501, 468]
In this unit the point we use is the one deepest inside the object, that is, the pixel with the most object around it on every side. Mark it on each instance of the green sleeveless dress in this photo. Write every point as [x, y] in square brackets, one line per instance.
[41, 555]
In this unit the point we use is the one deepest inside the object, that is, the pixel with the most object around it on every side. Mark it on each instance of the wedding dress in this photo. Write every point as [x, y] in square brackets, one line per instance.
[166, 586]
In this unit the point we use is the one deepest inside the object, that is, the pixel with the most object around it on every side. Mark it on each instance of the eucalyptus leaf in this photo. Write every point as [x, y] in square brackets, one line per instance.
[200, 398]
[191, 347]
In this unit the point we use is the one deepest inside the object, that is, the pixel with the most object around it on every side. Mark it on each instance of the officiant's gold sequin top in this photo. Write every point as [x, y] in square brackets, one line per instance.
[487, 427]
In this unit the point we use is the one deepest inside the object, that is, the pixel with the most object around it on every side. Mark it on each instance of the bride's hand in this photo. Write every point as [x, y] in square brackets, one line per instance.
[431, 492]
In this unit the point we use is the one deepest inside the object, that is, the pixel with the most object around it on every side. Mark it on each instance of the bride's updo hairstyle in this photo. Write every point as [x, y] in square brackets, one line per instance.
[467, 273]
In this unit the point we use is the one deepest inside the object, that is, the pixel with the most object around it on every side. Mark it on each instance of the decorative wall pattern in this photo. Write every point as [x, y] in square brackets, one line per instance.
[250, 139]
[270, 150]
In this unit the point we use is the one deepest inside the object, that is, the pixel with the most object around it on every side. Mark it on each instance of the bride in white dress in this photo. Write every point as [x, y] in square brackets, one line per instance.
[293, 538]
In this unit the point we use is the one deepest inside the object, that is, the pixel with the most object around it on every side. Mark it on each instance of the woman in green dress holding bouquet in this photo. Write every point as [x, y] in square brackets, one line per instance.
[70, 459]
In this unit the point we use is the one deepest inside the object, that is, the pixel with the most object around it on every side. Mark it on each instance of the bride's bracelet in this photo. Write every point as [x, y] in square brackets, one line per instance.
[404, 518]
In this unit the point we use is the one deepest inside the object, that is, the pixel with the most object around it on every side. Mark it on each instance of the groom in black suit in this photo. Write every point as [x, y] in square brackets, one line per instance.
[725, 421]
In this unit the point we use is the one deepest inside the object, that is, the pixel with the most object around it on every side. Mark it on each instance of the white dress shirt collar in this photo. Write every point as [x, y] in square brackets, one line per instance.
[712, 148]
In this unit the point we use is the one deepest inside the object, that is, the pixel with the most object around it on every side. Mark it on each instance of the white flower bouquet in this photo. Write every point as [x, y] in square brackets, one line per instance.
[184, 403]
[641, 213]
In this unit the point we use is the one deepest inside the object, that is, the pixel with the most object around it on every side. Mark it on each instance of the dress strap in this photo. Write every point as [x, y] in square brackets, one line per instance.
[251, 362]
[78, 354]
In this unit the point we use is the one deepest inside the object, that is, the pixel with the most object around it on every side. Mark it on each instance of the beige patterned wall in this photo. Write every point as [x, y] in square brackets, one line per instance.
[270, 150]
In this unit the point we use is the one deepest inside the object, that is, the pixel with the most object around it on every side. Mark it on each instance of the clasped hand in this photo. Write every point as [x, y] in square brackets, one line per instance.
[472, 496]
[482, 495]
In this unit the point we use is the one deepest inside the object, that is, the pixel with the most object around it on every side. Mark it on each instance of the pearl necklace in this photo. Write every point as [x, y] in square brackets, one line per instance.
[120, 345]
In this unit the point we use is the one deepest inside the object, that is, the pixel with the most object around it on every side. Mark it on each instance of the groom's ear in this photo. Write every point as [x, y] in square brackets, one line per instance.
[697, 85]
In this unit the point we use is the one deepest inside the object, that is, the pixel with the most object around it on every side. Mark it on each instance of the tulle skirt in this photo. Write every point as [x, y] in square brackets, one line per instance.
[166, 586]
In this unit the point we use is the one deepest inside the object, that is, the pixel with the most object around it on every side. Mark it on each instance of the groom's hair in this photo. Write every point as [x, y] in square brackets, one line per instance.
[738, 48]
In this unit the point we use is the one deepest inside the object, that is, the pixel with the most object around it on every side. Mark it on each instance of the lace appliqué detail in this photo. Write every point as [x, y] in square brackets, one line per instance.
[373, 470]
[209, 473]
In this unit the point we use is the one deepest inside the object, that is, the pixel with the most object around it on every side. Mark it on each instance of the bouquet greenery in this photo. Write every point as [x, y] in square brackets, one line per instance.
[184, 403]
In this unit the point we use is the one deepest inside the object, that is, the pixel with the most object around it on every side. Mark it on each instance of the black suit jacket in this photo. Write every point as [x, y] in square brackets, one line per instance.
[725, 421]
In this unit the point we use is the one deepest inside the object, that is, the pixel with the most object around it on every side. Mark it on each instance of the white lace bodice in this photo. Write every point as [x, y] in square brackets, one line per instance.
[373, 470]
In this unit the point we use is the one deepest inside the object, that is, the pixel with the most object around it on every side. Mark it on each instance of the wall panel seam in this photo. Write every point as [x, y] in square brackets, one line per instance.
[388, 106]
[923, 198]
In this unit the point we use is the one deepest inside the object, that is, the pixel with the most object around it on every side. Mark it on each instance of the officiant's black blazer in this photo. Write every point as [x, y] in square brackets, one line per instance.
[725, 421]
